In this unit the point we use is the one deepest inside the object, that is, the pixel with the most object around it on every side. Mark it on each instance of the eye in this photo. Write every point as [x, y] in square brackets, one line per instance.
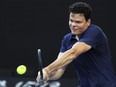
[78, 22]
[70, 20]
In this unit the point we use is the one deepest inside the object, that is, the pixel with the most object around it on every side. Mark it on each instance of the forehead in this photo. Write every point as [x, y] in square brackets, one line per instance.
[76, 16]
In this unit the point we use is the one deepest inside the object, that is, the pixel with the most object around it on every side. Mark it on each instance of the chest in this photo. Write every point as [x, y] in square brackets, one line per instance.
[70, 43]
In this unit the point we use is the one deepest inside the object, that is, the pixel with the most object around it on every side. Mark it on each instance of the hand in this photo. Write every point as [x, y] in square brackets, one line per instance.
[45, 76]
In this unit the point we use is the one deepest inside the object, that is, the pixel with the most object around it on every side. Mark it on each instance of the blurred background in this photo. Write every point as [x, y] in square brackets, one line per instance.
[28, 25]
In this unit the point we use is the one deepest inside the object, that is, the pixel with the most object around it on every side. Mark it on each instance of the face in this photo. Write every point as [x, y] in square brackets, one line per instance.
[78, 23]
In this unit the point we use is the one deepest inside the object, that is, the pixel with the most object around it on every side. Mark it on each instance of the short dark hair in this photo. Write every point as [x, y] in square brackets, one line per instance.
[82, 8]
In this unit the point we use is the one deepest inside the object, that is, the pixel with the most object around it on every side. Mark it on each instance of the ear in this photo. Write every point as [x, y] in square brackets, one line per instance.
[89, 22]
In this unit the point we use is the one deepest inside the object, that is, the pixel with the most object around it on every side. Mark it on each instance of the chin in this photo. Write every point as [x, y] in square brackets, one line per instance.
[74, 33]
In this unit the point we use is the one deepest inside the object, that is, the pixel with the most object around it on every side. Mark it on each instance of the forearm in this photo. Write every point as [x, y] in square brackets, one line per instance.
[62, 61]
[56, 74]
[68, 56]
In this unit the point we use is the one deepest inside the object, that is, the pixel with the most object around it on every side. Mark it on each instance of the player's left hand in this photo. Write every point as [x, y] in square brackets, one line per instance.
[45, 76]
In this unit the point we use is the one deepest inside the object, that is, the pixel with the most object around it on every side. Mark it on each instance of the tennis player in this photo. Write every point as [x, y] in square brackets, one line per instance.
[87, 47]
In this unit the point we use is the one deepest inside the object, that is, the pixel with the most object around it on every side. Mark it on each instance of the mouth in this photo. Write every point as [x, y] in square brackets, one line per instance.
[73, 29]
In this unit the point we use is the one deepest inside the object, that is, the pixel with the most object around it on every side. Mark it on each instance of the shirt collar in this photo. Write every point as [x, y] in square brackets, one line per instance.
[72, 37]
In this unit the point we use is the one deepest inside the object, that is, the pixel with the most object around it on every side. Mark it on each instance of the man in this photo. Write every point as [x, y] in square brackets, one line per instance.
[87, 47]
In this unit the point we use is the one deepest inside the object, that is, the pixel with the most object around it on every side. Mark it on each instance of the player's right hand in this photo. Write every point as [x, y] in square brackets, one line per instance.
[45, 76]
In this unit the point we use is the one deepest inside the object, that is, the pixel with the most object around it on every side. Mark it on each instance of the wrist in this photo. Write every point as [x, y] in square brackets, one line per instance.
[46, 70]
[47, 73]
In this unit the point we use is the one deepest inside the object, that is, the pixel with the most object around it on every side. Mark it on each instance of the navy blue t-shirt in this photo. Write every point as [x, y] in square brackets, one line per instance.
[94, 67]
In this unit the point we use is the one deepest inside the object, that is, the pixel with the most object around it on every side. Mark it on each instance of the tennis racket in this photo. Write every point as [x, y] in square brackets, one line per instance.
[41, 81]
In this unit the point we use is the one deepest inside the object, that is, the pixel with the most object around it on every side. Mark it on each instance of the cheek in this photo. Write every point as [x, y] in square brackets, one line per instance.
[69, 23]
[82, 25]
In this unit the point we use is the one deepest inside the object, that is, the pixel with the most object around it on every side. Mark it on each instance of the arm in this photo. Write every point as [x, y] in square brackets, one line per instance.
[58, 73]
[68, 56]
[63, 60]
[54, 75]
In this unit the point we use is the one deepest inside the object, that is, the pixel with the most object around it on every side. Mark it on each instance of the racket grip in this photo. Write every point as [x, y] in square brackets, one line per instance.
[41, 82]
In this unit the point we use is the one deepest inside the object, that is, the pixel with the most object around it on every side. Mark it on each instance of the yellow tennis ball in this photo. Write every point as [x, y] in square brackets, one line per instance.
[21, 69]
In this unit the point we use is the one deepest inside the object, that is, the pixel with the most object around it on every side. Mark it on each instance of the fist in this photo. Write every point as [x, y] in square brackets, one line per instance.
[45, 76]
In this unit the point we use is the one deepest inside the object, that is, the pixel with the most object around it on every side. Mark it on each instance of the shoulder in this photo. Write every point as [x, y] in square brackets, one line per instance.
[94, 32]
[94, 28]
[68, 35]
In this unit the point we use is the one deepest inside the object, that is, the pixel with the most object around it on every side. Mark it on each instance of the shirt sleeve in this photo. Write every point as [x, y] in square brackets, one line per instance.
[92, 38]
[63, 45]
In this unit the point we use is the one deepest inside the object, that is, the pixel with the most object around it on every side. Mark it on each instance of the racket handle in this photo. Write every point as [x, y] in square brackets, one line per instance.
[41, 82]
